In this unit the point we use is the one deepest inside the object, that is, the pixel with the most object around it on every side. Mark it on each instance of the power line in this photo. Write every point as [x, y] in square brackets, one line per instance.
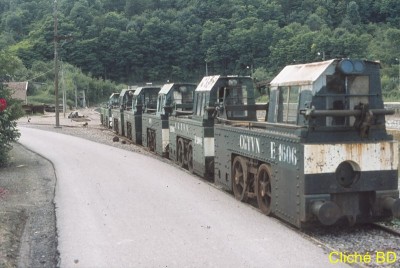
[33, 78]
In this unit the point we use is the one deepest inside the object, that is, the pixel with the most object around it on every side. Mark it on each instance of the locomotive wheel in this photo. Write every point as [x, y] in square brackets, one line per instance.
[263, 189]
[239, 178]
[189, 157]
[180, 153]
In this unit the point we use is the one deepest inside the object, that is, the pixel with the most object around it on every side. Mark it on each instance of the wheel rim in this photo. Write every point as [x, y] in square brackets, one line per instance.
[263, 189]
[189, 157]
[180, 153]
[239, 178]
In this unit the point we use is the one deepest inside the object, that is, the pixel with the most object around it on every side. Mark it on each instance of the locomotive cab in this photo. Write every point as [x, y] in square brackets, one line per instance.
[173, 99]
[192, 137]
[105, 111]
[227, 98]
[336, 95]
[144, 100]
[118, 109]
[113, 101]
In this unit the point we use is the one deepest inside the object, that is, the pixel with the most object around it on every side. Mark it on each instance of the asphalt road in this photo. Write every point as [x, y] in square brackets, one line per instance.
[116, 208]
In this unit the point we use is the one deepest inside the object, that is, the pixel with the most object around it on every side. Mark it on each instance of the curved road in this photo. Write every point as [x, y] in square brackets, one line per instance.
[117, 208]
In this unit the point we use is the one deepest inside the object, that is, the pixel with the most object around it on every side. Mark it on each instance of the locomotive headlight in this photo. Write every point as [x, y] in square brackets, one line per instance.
[348, 66]
[347, 173]
[359, 66]
[232, 82]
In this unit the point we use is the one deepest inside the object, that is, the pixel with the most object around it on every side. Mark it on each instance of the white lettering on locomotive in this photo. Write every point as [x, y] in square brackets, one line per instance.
[249, 143]
[182, 127]
[273, 153]
[285, 153]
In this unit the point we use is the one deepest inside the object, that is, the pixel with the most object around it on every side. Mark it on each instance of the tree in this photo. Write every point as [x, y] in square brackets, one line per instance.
[215, 41]
[314, 22]
[81, 15]
[352, 13]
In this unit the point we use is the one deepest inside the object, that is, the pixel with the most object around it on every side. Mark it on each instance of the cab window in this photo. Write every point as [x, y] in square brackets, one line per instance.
[288, 104]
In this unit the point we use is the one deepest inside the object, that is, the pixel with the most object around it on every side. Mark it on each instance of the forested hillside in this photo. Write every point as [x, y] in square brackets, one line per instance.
[132, 41]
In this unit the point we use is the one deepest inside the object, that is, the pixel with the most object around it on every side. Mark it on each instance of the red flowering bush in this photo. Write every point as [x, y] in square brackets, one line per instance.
[10, 111]
[3, 104]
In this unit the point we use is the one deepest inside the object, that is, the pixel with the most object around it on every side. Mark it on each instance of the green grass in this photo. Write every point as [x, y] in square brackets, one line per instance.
[41, 99]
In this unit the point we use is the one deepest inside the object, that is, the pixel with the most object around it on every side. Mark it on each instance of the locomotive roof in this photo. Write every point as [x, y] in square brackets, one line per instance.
[139, 89]
[123, 91]
[301, 74]
[207, 83]
[166, 88]
[114, 95]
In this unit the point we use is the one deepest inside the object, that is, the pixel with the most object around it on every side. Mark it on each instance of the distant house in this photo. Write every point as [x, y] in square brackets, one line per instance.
[19, 90]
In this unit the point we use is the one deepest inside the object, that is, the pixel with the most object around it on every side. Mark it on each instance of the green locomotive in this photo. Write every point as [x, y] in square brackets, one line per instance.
[105, 112]
[173, 99]
[322, 156]
[124, 103]
[192, 137]
[143, 100]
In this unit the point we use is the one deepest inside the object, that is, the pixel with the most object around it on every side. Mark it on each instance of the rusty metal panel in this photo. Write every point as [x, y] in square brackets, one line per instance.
[301, 74]
[325, 158]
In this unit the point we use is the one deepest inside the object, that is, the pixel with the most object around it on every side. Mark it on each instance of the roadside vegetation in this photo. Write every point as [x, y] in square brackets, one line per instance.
[10, 109]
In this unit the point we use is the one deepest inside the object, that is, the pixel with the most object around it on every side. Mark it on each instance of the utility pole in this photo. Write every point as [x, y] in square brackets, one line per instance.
[56, 64]
[398, 59]
[63, 89]
[57, 38]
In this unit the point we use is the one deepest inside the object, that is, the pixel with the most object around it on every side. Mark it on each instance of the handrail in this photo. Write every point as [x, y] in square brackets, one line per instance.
[323, 113]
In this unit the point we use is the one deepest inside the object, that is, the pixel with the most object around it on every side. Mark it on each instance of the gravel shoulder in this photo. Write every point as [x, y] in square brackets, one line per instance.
[27, 214]
[88, 127]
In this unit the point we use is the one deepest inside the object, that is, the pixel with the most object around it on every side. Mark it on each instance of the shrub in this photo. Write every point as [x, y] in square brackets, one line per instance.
[8, 126]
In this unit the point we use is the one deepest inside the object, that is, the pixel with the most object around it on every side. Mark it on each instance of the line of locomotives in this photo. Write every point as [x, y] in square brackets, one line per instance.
[319, 154]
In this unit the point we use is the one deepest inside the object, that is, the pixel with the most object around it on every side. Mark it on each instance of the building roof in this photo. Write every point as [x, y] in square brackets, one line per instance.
[19, 90]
